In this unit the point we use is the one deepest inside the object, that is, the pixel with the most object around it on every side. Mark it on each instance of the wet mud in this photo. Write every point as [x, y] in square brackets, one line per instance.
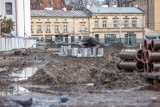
[53, 81]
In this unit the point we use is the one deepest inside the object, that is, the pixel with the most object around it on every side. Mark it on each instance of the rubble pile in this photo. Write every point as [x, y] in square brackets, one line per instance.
[86, 70]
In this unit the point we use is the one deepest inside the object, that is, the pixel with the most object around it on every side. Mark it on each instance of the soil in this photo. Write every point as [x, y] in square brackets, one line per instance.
[78, 78]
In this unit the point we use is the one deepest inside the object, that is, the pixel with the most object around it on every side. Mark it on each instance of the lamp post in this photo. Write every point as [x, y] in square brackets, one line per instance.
[120, 30]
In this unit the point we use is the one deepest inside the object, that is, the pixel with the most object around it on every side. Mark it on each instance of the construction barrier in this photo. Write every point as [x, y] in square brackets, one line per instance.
[81, 52]
[7, 44]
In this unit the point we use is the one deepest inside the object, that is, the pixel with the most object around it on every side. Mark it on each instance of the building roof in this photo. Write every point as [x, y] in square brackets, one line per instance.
[113, 10]
[58, 13]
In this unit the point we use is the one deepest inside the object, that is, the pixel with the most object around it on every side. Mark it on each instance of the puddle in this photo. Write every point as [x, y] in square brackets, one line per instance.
[13, 90]
[24, 74]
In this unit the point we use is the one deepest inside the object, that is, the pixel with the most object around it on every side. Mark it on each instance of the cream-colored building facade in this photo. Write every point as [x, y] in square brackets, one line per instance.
[151, 9]
[100, 23]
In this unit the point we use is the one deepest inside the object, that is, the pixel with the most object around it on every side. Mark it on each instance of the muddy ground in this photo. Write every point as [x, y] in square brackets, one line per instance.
[84, 82]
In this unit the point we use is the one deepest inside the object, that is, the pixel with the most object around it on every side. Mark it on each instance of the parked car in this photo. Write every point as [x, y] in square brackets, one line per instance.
[59, 42]
[41, 43]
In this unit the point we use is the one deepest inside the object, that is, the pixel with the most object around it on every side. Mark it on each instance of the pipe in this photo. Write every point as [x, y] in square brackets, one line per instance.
[130, 65]
[155, 67]
[131, 54]
[147, 44]
[147, 67]
[152, 56]
[155, 45]
[144, 56]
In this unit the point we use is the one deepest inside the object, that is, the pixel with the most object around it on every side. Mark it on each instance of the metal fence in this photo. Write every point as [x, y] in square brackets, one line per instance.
[15, 43]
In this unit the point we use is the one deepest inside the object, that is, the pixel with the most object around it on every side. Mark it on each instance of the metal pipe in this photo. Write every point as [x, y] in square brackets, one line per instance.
[144, 56]
[147, 67]
[155, 67]
[155, 45]
[131, 55]
[140, 66]
[147, 44]
[130, 65]
[152, 56]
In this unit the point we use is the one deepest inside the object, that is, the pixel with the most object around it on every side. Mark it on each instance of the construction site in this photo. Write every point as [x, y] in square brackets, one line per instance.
[72, 76]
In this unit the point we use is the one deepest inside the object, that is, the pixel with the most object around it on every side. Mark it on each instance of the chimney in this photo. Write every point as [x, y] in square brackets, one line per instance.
[57, 4]
[64, 9]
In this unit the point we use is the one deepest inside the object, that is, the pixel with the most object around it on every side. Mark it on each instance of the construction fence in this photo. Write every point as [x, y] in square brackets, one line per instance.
[15, 43]
[124, 41]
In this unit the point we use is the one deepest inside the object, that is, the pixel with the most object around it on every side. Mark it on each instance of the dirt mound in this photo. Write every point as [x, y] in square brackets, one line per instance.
[85, 70]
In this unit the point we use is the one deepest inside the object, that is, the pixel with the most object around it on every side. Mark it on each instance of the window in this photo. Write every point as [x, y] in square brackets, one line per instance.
[104, 24]
[82, 27]
[115, 23]
[8, 6]
[48, 28]
[97, 37]
[32, 28]
[65, 28]
[39, 28]
[126, 23]
[134, 23]
[96, 24]
[79, 37]
[56, 28]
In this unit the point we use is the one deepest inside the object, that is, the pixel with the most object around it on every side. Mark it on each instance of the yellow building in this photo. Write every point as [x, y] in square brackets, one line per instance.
[151, 9]
[59, 25]
[123, 22]
[98, 22]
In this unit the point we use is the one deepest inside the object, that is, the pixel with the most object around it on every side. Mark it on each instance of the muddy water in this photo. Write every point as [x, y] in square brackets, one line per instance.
[23, 74]
[144, 96]
[18, 76]
[13, 90]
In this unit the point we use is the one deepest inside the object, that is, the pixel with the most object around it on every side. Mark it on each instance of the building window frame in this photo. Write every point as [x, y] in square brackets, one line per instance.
[9, 8]
[39, 28]
[48, 28]
[32, 28]
[126, 23]
[115, 23]
[65, 28]
[134, 23]
[104, 24]
[96, 23]
[82, 29]
[56, 28]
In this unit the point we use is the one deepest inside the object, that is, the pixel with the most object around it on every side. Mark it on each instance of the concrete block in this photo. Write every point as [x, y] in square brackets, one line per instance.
[100, 52]
[92, 52]
[85, 52]
[74, 52]
[79, 52]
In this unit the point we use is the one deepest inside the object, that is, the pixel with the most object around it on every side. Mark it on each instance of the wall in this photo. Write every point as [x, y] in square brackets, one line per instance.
[15, 43]
[3, 12]
[21, 16]
[151, 9]
[23, 19]
[73, 26]
[157, 16]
